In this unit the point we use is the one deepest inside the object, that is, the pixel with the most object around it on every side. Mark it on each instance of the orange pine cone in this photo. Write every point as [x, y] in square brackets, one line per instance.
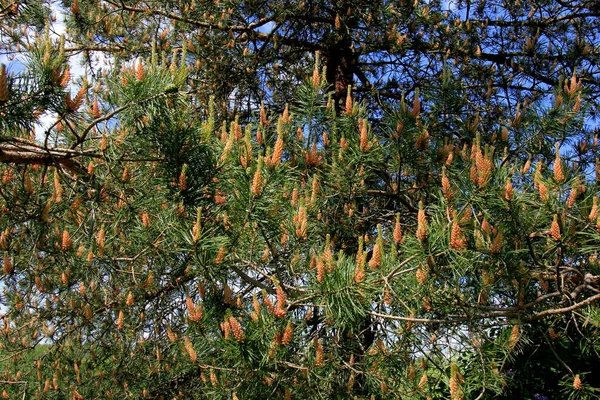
[423, 381]
[182, 181]
[96, 108]
[572, 198]
[100, 239]
[130, 300]
[263, 119]
[455, 389]
[422, 226]
[269, 304]
[280, 310]
[319, 355]
[594, 211]
[398, 231]
[236, 328]
[277, 152]
[220, 255]
[256, 305]
[446, 187]
[226, 328]
[555, 229]
[364, 138]
[285, 117]
[559, 174]
[514, 337]
[348, 108]
[3, 84]
[139, 70]
[65, 240]
[320, 270]
[7, 264]
[145, 220]
[544, 196]
[190, 349]
[316, 77]
[120, 320]
[195, 312]
[375, 261]
[75, 7]
[421, 275]
[288, 334]
[457, 239]
[257, 182]
[343, 143]
[66, 77]
[473, 174]
[508, 190]
[497, 243]
[359, 270]
[416, 109]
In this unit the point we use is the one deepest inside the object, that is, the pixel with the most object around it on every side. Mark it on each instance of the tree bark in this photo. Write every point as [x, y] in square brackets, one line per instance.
[340, 69]
[17, 151]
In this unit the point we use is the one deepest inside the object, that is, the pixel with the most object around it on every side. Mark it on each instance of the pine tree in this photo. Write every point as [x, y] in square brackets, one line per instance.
[334, 239]
[259, 51]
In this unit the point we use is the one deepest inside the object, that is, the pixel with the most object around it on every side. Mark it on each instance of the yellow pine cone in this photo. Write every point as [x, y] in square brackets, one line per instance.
[455, 393]
[497, 243]
[423, 381]
[514, 337]
[375, 261]
[577, 385]
[457, 239]
[3, 84]
[421, 275]
[288, 334]
[130, 300]
[422, 226]
[257, 180]
[319, 355]
[508, 190]
[237, 330]
[359, 271]
[65, 240]
[559, 174]
[190, 349]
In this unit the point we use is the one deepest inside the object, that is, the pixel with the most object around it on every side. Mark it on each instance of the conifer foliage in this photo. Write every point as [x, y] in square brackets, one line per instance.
[436, 242]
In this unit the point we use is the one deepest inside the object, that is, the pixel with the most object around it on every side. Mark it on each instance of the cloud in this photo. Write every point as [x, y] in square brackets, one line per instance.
[266, 28]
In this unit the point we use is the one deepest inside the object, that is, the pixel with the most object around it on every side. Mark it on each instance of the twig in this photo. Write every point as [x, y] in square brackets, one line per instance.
[564, 310]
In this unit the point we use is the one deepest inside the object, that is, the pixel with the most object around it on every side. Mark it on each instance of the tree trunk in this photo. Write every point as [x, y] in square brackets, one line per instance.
[339, 69]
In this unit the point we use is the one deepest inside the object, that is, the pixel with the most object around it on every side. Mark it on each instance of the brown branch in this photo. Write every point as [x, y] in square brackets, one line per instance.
[421, 320]
[18, 151]
[248, 31]
[535, 22]
[248, 279]
[563, 310]
[108, 49]
[176, 17]
[108, 116]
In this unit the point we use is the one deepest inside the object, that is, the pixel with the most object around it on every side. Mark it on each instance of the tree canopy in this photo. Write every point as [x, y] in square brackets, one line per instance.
[316, 199]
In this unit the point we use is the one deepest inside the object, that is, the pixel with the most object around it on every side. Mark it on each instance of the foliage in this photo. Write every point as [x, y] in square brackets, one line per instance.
[325, 248]
[253, 51]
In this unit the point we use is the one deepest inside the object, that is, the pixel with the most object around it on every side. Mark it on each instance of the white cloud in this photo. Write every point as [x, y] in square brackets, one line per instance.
[267, 28]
